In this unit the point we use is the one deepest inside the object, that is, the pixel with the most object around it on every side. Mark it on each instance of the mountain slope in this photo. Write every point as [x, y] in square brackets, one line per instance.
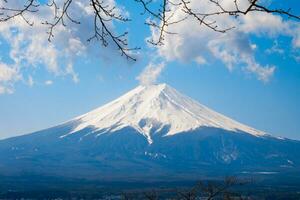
[148, 109]
[150, 133]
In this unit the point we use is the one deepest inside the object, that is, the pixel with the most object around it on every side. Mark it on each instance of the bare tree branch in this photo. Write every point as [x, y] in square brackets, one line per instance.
[159, 19]
[8, 13]
[59, 17]
[103, 15]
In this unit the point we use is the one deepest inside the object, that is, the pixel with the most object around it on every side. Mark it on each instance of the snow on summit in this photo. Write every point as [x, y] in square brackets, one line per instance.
[148, 109]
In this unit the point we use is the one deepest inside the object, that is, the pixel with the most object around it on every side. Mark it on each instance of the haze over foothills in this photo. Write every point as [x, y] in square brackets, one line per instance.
[250, 74]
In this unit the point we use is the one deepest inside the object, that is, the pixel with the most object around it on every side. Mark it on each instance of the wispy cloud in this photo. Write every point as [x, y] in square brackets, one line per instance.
[30, 81]
[48, 82]
[150, 74]
[8, 76]
[263, 73]
[235, 50]
[275, 49]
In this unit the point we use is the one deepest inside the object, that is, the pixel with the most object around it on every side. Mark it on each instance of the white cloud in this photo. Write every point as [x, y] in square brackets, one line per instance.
[70, 70]
[5, 90]
[8, 75]
[296, 37]
[253, 46]
[235, 50]
[30, 81]
[262, 23]
[48, 82]
[200, 60]
[275, 49]
[262, 73]
[29, 46]
[194, 42]
[150, 73]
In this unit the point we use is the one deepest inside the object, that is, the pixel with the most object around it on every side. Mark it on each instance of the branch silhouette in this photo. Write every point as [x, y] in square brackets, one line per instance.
[160, 15]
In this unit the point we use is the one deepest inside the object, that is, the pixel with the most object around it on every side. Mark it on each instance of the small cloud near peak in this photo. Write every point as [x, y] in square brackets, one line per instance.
[150, 74]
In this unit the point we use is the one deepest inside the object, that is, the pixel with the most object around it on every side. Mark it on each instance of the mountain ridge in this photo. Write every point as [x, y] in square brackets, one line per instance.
[145, 136]
[154, 107]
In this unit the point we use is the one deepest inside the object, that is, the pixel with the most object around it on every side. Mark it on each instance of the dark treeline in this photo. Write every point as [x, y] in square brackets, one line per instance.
[229, 188]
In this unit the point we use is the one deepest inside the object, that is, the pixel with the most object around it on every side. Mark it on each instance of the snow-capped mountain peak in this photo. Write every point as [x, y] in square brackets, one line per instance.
[149, 109]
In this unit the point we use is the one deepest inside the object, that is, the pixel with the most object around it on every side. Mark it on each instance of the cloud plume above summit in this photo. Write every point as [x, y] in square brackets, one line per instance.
[150, 74]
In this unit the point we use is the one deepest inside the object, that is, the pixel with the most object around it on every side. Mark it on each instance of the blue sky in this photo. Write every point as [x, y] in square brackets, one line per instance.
[38, 95]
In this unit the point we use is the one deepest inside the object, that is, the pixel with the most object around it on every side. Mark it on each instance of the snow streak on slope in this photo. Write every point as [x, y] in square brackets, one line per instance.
[148, 109]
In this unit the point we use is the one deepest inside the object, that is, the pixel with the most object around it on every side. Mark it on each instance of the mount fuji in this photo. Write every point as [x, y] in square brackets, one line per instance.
[150, 133]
